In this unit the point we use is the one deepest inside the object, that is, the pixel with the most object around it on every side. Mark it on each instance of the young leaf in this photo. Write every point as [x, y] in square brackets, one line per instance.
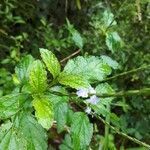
[104, 88]
[11, 139]
[76, 37]
[74, 81]
[113, 41]
[44, 111]
[32, 131]
[61, 112]
[112, 63]
[51, 62]
[10, 104]
[81, 131]
[108, 19]
[38, 77]
[91, 68]
[22, 69]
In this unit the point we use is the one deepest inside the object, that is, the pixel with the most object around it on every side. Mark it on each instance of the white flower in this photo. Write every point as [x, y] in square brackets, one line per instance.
[91, 90]
[82, 93]
[88, 110]
[93, 100]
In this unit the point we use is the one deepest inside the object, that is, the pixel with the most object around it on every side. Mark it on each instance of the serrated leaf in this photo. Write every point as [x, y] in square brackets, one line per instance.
[10, 104]
[104, 88]
[51, 62]
[32, 131]
[11, 138]
[22, 69]
[44, 111]
[108, 19]
[38, 77]
[74, 81]
[113, 41]
[76, 37]
[81, 131]
[91, 68]
[61, 112]
[112, 63]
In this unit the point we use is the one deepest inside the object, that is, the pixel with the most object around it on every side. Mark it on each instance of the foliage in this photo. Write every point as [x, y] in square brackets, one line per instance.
[40, 104]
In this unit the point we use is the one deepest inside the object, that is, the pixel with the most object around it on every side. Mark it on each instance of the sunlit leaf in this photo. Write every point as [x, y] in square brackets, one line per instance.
[51, 62]
[91, 68]
[74, 81]
[43, 111]
[38, 77]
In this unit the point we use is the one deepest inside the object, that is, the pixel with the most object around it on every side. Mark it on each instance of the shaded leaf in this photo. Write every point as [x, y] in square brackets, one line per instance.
[113, 41]
[22, 69]
[32, 131]
[11, 138]
[81, 131]
[67, 143]
[51, 62]
[10, 104]
[112, 63]
[61, 113]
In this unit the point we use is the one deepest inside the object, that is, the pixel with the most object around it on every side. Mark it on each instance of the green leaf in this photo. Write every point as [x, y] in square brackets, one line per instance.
[22, 69]
[38, 77]
[10, 104]
[44, 111]
[81, 131]
[113, 41]
[76, 37]
[74, 81]
[112, 63]
[61, 114]
[32, 131]
[67, 143]
[91, 68]
[51, 62]
[11, 139]
[104, 88]
[108, 19]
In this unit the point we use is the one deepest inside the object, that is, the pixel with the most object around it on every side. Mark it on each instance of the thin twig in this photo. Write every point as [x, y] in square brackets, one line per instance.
[118, 131]
[145, 91]
[123, 134]
[126, 73]
[68, 57]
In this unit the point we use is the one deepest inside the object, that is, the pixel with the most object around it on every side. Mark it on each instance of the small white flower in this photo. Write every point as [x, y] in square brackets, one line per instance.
[88, 110]
[93, 100]
[91, 90]
[82, 93]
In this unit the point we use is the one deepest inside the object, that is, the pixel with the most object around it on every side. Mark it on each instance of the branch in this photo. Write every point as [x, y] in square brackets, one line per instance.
[123, 134]
[126, 73]
[68, 57]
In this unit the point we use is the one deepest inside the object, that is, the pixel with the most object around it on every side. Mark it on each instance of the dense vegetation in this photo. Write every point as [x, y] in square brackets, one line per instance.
[74, 75]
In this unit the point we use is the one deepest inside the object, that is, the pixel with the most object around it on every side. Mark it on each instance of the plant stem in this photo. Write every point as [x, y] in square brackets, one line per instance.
[107, 129]
[126, 73]
[123, 134]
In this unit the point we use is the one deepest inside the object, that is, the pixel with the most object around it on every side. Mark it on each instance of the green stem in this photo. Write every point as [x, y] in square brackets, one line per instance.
[107, 129]
[145, 91]
[123, 134]
[126, 73]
